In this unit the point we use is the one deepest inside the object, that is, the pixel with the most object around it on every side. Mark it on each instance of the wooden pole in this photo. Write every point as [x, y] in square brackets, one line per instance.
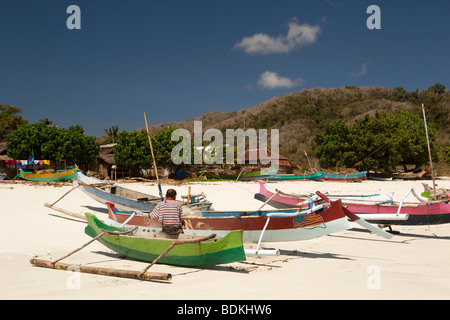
[83, 246]
[104, 271]
[267, 201]
[98, 236]
[189, 196]
[153, 156]
[64, 195]
[74, 215]
[429, 151]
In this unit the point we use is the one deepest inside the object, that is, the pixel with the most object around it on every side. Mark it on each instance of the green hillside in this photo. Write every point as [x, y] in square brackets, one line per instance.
[301, 115]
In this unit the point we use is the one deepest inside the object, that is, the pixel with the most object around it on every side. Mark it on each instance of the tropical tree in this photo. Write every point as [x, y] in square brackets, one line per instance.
[438, 88]
[334, 146]
[51, 143]
[32, 138]
[46, 121]
[111, 134]
[446, 150]
[9, 120]
[383, 142]
[133, 149]
[74, 146]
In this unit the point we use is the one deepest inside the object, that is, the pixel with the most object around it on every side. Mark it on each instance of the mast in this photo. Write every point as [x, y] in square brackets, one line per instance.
[153, 157]
[429, 151]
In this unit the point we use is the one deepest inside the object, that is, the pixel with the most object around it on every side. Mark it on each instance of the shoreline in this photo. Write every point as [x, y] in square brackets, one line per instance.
[351, 264]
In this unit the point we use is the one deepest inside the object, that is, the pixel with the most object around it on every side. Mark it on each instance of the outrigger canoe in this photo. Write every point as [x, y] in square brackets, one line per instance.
[273, 225]
[281, 199]
[59, 175]
[249, 176]
[127, 199]
[357, 176]
[381, 211]
[147, 248]
[292, 177]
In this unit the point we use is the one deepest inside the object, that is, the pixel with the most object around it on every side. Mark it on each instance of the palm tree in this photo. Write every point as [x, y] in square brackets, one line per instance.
[112, 133]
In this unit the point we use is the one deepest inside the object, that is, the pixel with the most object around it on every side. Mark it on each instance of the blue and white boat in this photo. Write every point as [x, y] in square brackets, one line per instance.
[129, 200]
[357, 176]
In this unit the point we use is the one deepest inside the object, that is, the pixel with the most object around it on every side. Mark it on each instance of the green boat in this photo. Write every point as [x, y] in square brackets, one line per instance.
[291, 177]
[59, 175]
[208, 253]
[263, 174]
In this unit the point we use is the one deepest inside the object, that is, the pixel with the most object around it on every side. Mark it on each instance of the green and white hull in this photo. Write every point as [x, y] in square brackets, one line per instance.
[209, 253]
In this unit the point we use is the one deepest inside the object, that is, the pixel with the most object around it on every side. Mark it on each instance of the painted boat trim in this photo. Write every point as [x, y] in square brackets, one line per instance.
[345, 177]
[314, 176]
[418, 214]
[59, 175]
[282, 228]
[88, 187]
[223, 250]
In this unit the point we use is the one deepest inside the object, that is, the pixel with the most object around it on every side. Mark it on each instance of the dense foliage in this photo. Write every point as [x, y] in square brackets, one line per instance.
[51, 143]
[9, 120]
[384, 141]
[347, 112]
[301, 115]
[133, 149]
[111, 134]
[447, 154]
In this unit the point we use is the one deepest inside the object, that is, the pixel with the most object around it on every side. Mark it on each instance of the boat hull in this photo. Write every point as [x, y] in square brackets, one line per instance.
[315, 176]
[127, 199]
[110, 194]
[358, 176]
[287, 226]
[60, 175]
[283, 200]
[419, 214]
[278, 201]
[209, 253]
[264, 174]
[244, 177]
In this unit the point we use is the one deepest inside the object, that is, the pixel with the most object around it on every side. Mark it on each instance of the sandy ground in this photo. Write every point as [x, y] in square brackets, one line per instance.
[354, 264]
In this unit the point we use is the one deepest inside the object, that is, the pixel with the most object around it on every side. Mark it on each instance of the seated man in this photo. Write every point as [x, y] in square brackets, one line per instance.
[169, 212]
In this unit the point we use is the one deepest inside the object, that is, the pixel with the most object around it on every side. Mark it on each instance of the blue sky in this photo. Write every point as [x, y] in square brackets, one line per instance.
[176, 60]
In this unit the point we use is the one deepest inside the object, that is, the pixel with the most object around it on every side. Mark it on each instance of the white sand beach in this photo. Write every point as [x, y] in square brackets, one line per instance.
[354, 264]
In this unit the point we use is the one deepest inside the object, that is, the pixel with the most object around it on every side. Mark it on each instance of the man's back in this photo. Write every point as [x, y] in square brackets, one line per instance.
[168, 212]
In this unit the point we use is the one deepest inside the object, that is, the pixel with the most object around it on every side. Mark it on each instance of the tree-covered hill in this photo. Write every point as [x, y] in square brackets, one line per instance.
[300, 116]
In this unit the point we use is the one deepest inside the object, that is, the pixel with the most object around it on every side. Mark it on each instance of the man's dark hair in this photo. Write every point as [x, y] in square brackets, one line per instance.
[171, 194]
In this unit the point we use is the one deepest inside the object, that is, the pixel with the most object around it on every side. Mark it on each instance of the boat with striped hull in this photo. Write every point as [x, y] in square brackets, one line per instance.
[148, 248]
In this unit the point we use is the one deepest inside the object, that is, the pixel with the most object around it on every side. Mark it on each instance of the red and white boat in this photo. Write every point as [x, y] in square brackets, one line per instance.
[382, 212]
[281, 199]
[261, 225]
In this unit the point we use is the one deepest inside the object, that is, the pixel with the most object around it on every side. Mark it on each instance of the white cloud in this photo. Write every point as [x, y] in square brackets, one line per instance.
[297, 36]
[361, 72]
[271, 80]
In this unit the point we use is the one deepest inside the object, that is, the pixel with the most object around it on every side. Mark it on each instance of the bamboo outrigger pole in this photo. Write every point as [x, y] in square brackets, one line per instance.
[153, 157]
[143, 275]
[103, 271]
[429, 151]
